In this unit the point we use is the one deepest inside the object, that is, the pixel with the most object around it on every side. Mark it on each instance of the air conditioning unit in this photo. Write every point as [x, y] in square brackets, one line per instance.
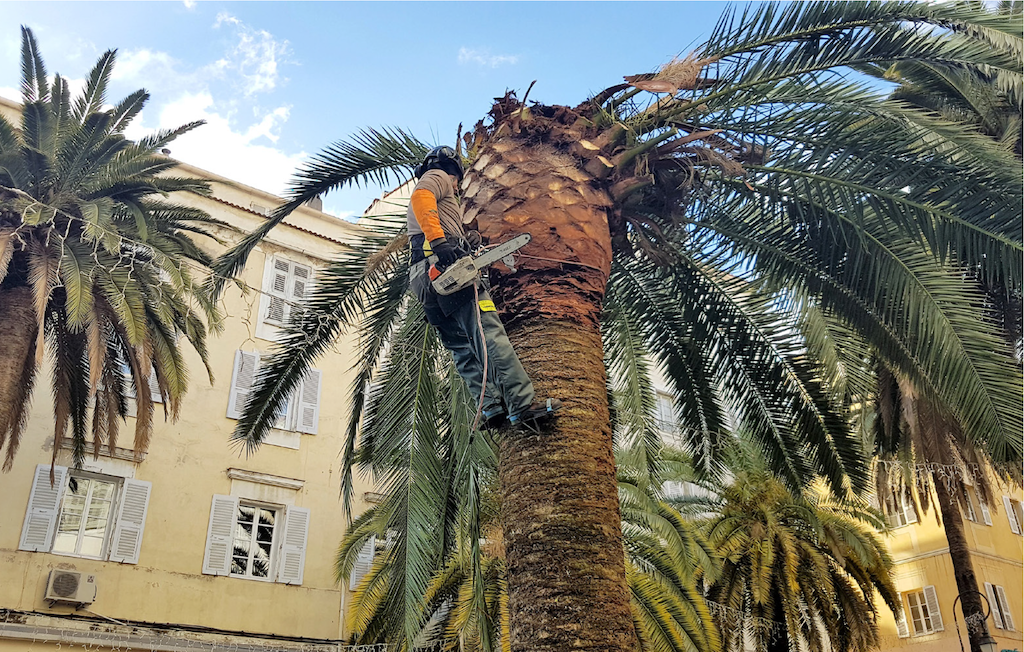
[70, 586]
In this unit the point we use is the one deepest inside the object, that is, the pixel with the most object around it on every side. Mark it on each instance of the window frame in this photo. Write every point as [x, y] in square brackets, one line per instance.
[275, 541]
[905, 509]
[970, 513]
[922, 608]
[111, 526]
[663, 400]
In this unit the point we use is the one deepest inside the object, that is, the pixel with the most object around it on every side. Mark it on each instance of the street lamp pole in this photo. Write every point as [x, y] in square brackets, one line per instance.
[987, 644]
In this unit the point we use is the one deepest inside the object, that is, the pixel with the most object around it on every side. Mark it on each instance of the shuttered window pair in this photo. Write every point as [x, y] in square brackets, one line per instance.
[248, 539]
[923, 609]
[85, 515]
[301, 411]
[999, 607]
[286, 283]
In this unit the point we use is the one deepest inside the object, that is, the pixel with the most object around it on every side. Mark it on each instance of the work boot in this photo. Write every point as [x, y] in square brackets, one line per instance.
[536, 412]
[494, 417]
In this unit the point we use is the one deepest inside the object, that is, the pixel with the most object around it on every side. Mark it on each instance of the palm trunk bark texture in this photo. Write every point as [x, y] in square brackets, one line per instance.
[560, 511]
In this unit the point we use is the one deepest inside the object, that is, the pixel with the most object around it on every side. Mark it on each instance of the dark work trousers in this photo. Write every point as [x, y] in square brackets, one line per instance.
[455, 318]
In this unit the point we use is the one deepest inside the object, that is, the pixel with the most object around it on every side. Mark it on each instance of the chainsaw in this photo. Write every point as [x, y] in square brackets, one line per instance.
[463, 272]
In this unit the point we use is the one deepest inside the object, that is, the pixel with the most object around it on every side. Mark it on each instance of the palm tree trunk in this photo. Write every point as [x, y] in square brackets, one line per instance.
[17, 364]
[963, 567]
[560, 510]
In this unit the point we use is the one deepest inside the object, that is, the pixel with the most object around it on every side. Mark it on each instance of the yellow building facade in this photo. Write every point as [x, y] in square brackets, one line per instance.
[192, 545]
[924, 573]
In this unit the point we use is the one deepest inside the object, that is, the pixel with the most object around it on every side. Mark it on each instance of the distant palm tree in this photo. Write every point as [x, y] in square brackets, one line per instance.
[684, 217]
[799, 572]
[93, 262]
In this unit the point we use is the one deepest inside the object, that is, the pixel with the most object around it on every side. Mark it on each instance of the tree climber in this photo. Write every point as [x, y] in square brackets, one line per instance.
[436, 234]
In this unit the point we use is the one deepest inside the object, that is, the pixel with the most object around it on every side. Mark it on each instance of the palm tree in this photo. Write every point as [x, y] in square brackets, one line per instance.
[94, 262]
[798, 572]
[691, 212]
[911, 427]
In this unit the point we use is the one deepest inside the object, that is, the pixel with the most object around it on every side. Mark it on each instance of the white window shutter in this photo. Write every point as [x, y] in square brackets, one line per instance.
[43, 506]
[131, 521]
[154, 388]
[301, 277]
[932, 600]
[986, 515]
[364, 562]
[993, 606]
[277, 288]
[241, 381]
[308, 403]
[293, 546]
[1011, 515]
[901, 619]
[220, 536]
[1004, 609]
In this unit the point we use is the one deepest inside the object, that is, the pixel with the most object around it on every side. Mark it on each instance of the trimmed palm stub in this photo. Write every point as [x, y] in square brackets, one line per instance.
[94, 263]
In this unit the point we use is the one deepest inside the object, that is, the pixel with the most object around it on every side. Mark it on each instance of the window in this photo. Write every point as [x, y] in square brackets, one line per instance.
[253, 548]
[919, 615]
[999, 607]
[301, 412]
[924, 611]
[255, 540]
[665, 412]
[285, 284]
[83, 526]
[968, 506]
[899, 508]
[1013, 514]
[85, 514]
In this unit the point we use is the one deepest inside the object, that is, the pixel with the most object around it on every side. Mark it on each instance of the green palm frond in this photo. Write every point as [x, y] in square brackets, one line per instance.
[95, 94]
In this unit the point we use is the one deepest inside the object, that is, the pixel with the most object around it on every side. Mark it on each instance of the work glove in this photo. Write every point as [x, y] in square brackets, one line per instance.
[446, 253]
[474, 240]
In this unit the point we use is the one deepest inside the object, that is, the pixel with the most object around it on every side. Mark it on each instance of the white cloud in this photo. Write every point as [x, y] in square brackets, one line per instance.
[484, 58]
[256, 58]
[189, 4]
[237, 152]
[10, 93]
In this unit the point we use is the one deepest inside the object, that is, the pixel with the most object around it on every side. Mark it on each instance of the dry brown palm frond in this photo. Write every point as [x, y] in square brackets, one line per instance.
[396, 245]
[676, 75]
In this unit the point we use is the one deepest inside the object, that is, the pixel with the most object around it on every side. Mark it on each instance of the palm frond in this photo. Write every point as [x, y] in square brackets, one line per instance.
[95, 93]
[371, 156]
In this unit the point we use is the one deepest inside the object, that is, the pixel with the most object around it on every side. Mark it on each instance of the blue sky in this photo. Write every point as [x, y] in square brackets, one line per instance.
[278, 81]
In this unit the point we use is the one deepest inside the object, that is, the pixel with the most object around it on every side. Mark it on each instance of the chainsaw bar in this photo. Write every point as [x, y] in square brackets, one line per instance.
[506, 248]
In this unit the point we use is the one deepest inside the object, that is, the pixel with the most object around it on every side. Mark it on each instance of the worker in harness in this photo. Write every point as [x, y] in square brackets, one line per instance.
[437, 236]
